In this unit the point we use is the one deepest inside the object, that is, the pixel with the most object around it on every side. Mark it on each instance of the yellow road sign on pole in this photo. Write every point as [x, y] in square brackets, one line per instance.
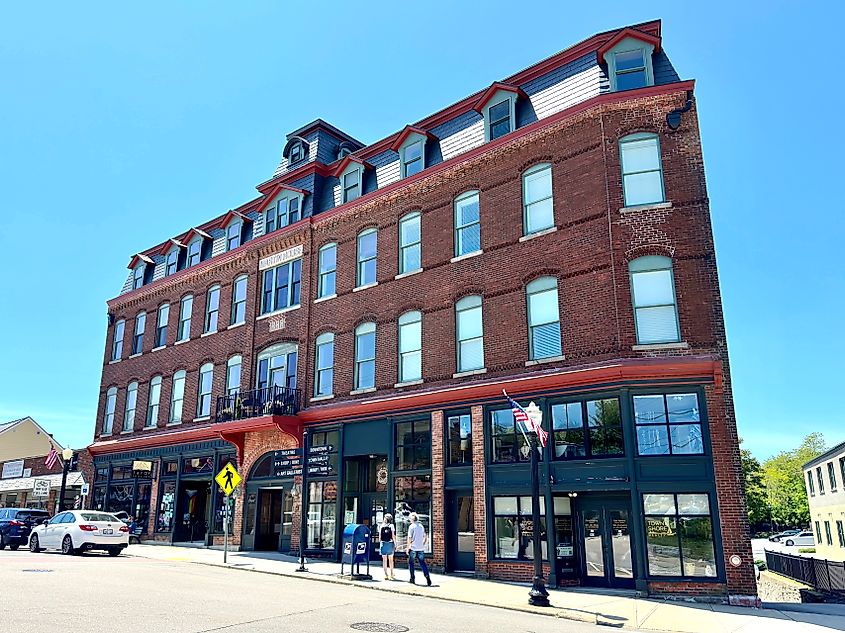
[228, 479]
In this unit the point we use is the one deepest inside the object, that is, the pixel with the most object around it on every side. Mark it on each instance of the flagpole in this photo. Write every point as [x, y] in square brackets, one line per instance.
[538, 596]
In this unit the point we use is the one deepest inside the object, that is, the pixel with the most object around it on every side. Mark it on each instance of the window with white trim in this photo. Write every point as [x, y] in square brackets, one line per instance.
[138, 336]
[280, 286]
[161, 324]
[286, 211]
[138, 276]
[233, 235]
[324, 383]
[642, 169]
[185, 308]
[212, 309]
[410, 243]
[233, 375]
[630, 69]
[538, 205]
[153, 402]
[195, 252]
[367, 251]
[467, 224]
[108, 414]
[131, 404]
[469, 334]
[499, 119]
[365, 356]
[413, 157]
[206, 379]
[351, 184]
[543, 318]
[277, 366]
[172, 262]
[653, 294]
[238, 301]
[410, 346]
[177, 396]
[328, 268]
[117, 340]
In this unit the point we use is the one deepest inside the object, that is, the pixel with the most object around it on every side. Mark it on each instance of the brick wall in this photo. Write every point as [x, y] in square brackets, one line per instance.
[438, 493]
[479, 490]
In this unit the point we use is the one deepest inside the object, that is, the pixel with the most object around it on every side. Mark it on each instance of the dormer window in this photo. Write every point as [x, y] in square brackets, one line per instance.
[172, 263]
[351, 182]
[138, 276]
[297, 153]
[233, 236]
[499, 120]
[629, 59]
[498, 107]
[410, 144]
[285, 211]
[630, 69]
[195, 252]
[412, 158]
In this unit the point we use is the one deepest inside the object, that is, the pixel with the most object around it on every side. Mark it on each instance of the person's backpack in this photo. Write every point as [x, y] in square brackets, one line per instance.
[386, 533]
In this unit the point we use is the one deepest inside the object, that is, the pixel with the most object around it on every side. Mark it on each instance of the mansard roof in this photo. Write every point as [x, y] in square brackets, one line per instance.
[405, 133]
[635, 33]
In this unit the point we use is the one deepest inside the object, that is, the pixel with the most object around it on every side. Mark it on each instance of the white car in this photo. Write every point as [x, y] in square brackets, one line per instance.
[802, 538]
[78, 531]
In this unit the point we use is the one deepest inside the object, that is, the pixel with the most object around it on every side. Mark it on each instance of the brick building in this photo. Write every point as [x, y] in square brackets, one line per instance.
[548, 235]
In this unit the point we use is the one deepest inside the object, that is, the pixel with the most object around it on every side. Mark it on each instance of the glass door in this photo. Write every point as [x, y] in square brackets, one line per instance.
[461, 527]
[605, 535]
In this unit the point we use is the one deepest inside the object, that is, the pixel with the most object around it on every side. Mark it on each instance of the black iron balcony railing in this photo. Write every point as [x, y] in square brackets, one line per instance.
[255, 403]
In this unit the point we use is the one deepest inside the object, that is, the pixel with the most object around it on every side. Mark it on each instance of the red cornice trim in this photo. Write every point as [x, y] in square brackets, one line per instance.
[405, 133]
[168, 246]
[186, 237]
[598, 100]
[307, 169]
[140, 256]
[629, 32]
[344, 163]
[278, 188]
[478, 106]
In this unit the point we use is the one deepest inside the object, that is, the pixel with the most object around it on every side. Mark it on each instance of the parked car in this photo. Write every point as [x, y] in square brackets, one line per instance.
[134, 533]
[777, 538]
[78, 531]
[17, 523]
[802, 538]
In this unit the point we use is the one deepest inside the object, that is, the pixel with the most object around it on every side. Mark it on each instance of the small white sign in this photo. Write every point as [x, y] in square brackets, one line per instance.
[41, 488]
[85, 489]
[27, 472]
[12, 469]
[276, 323]
[277, 259]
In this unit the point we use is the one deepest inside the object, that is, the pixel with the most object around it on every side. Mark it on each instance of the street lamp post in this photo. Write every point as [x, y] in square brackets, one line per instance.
[538, 596]
[67, 455]
[303, 509]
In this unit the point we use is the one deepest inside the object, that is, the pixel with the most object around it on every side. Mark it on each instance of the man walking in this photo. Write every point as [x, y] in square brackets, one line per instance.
[417, 538]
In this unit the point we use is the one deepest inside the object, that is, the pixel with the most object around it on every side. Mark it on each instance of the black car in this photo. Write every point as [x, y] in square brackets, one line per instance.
[16, 524]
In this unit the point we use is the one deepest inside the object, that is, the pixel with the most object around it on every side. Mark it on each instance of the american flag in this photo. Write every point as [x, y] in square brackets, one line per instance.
[52, 458]
[525, 420]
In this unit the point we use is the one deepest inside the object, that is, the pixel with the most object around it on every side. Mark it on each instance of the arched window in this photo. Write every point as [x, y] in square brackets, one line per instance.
[469, 334]
[238, 301]
[410, 256]
[324, 382]
[538, 205]
[161, 324]
[206, 380]
[277, 366]
[131, 404]
[410, 347]
[365, 356]
[642, 170]
[117, 340]
[138, 337]
[185, 309]
[212, 309]
[177, 397]
[153, 402]
[653, 294]
[108, 416]
[467, 224]
[543, 318]
[328, 268]
[367, 250]
[233, 375]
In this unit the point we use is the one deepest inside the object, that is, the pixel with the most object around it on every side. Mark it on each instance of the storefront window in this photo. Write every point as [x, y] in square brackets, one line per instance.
[322, 456]
[514, 528]
[587, 429]
[101, 474]
[679, 535]
[142, 506]
[605, 423]
[166, 507]
[249, 523]
[99, 501]
[668, 424]
[170, 468]
[412, 494]
[322, 509]
[219, 510]
[196, 465]
[459, 429]
[121, 472]
[413, 445]
[120, 498]
[508, 441]
[570, 440]
[564, 537]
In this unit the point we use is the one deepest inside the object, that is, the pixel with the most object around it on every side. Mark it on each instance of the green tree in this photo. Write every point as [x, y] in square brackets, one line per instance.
[756, 500]
[783, 479]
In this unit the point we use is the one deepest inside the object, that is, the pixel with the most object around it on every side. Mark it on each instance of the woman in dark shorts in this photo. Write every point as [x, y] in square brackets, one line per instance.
[387, 538]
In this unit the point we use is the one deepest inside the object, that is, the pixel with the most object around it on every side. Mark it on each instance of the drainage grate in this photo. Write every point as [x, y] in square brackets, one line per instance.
[379, 627]
[38, 571]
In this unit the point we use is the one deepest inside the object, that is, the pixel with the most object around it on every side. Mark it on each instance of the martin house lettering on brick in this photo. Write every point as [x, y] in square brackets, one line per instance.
[548, 235]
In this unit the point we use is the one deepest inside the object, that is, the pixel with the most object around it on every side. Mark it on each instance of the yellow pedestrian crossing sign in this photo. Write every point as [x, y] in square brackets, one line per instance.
[228, 479]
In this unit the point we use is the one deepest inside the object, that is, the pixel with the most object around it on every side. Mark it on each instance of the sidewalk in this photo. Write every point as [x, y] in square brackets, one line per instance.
[616, 609]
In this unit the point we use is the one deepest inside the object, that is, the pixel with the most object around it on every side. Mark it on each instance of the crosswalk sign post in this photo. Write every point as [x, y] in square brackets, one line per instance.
[228, 479]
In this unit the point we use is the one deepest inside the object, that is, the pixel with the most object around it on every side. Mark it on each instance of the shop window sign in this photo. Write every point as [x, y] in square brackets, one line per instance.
[195, 465]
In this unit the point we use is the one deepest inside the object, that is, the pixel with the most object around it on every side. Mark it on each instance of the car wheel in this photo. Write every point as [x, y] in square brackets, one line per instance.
[2, 542]
[790, 543]
[33, 545]
[14, 548]
[114, 551]
[67, 546]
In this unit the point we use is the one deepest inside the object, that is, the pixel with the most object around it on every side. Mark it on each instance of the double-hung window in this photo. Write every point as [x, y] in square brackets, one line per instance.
[281, 286]
[820, 480]
[233, 236]
[412, 158]
[238, 301]
[470, 334]
[233, 375]
[108, 415]
[653, 292]
[538, 206]
[131, 404]
[195, 252]
[328, 268]
[365, 356]
[500, 119]
[161, 324]
[212, 309]
[185, 308]
[138, 338]
[177, 396]
[172, 263]
[679, 535]
[668, 424]
[631, 69]
[831, 474]
[410, 346]
[467, 224]
[138, 276]
[324, 383]
[206, 380]
[367, 251]
[810, 483]
[410, 258]
[117, 340]
[153, 402]
[351, 183]
[642, 169]
[285, 212]
[543, 318]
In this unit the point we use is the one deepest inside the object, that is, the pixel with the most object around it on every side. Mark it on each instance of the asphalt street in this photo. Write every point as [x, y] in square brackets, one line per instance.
[95, 593]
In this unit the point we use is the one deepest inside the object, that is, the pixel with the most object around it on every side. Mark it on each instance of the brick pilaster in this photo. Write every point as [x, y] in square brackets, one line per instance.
[479, 491]
[438, 494]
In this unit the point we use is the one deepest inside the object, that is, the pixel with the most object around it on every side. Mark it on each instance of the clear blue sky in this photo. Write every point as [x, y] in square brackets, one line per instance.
[123, 125]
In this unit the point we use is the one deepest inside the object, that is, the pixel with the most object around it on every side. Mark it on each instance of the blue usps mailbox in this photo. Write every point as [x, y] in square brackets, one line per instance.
[356, 549]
